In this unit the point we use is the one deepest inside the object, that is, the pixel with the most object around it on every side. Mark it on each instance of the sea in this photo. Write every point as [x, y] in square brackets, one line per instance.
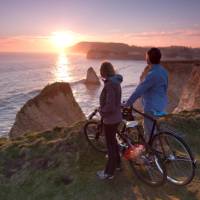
[23, 75]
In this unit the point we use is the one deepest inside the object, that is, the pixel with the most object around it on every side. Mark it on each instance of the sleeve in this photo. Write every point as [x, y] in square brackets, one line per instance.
[148, 82]
[110, 100]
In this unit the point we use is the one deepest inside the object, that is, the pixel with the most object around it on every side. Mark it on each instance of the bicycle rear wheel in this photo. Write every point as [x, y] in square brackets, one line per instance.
[147, 170]
[95, 136]
[176, 156]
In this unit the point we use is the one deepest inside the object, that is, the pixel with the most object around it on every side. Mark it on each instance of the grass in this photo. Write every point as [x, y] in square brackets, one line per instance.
[60, 165]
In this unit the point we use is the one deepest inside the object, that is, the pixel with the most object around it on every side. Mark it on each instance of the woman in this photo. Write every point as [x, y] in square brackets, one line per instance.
[110, 110]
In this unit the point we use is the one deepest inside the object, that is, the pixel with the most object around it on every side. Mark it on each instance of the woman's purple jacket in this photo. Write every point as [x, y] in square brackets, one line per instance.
[110, 100]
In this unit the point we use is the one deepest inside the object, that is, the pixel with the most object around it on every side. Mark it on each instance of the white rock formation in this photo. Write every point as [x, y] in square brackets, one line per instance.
[92, 77]
[54, 106]
[190, 97]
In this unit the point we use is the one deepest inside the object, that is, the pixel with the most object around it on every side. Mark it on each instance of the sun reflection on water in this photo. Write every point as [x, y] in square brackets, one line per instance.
[62, 72]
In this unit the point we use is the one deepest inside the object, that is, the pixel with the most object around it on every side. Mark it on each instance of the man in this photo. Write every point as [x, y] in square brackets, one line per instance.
[152, 89]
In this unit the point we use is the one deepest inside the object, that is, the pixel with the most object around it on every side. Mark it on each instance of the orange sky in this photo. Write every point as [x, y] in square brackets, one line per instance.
[45, 44]
[27, 25]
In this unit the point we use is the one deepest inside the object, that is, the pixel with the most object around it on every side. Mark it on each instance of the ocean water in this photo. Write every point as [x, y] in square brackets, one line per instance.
[22, 76]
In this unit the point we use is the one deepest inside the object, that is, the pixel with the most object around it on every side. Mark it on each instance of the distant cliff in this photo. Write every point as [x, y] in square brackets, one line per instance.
[54, 106]
[113, 54]
[103, 50]
[85, 47]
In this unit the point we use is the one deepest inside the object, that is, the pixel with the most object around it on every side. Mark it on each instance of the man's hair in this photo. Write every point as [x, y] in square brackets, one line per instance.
[107, 69]
[154, 55]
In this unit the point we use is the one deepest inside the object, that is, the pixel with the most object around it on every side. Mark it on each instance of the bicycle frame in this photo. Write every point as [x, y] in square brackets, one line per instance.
[152, 119]
[155, 126]
[141, 113]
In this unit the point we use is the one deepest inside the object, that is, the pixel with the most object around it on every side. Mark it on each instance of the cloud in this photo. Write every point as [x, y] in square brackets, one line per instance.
[24, 43]
[180, 32]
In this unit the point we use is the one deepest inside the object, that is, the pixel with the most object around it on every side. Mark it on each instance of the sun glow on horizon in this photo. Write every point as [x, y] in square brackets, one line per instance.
[62, 40]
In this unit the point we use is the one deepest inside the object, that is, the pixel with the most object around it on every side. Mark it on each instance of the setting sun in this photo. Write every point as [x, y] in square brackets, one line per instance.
[62, 40]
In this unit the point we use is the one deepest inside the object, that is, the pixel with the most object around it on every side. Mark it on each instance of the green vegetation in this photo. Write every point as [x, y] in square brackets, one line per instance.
[60, 165]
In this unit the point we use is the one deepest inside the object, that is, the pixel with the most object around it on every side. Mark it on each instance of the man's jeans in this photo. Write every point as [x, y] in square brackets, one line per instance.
[148, 125]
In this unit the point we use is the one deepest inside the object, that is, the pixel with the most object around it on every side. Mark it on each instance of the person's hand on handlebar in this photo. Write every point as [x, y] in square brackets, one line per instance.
[97, 109]
[124, 104]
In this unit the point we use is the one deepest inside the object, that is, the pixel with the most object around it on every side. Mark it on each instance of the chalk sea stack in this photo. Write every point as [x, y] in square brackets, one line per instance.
[54, 106]
[92, 77]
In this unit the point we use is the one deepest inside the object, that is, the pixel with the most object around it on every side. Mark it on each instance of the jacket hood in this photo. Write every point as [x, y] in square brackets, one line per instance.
[116, 78]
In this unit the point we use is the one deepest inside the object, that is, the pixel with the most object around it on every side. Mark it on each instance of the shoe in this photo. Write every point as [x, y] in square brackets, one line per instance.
[102, 175]
[171, 157]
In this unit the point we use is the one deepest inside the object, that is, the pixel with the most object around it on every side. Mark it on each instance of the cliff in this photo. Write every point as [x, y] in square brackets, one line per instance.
[59, 164]
[114, 54]
[54, 106]
[190, 96]
[84, 47]
[178, 76]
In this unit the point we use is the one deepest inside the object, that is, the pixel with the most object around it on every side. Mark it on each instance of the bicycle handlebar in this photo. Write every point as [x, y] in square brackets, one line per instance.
[123, 107]
[93, 113]
[139, 112]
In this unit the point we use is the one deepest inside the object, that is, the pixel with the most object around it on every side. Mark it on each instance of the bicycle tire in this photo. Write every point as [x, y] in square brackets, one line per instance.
[94, 134]
[176, 156]
[151, 167]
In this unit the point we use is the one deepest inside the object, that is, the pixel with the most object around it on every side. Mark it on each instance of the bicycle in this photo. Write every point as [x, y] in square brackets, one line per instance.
[144, 165]
[173, 157]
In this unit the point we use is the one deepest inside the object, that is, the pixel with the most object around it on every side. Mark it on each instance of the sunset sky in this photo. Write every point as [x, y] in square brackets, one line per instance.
[29, 25]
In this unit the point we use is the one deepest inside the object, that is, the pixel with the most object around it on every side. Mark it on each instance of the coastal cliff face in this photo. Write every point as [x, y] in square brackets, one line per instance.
[190, 97]
[179, 73]
[184, 84]
[54, 106]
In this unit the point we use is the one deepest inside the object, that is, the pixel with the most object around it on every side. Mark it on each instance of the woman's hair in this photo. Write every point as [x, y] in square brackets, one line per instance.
[154, 55]
[107, 69]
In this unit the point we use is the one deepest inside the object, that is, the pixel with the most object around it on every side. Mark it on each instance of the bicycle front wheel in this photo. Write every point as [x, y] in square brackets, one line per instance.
[146, 168]
[95, 136]
[176, 156]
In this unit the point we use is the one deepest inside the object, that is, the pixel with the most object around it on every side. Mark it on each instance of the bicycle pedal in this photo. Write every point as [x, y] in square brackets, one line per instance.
[195, 163]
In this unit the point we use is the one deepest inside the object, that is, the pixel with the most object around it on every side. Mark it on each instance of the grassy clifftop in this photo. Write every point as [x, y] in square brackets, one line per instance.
[59, 164]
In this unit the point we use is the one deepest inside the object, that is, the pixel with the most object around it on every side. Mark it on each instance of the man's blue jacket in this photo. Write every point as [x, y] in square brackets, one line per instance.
[153, 90]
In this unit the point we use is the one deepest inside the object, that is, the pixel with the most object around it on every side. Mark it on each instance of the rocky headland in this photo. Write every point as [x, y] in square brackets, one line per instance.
[122, 51]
